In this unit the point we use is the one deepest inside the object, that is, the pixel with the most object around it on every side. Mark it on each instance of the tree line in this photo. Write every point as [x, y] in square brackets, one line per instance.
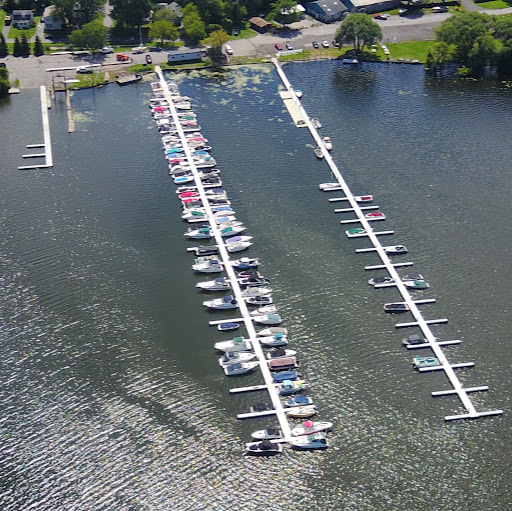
[21, 47]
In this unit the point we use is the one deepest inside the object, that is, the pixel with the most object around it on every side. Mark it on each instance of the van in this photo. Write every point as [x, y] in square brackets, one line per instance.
[228, 49]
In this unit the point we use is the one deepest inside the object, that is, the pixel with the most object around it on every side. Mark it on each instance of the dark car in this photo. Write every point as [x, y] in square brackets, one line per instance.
[289, 45]
[155, 48]
[335, 43]
[315, 45]
[278, 47]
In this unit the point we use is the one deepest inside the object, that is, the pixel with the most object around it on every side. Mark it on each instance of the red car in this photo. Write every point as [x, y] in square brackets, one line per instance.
[278, 47]
[384, 16]
[122, 57]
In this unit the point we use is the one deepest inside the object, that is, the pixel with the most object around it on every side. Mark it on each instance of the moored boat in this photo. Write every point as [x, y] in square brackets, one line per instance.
[396, 307]
[278, 364]
[267, 434]
[256, 291]
[263, 448]
[259, 300]
[273, 341]
[245, 263]
[236, 344]
[355, 232]
[318, 152]
[211, 266]
[375, 215]
[301, 411]
[316, 123]
[395, 249]
[414, 340]
[227, 326]
[289, 387]
[219, 284]
[240, 368]
[224, 303]
[310, 427]
[273, 330]
[327, 143]
[268, 319]
[299, 400]
[421, 362]
[416, 284]
[310, 442]
[233, 357]
[280, 353]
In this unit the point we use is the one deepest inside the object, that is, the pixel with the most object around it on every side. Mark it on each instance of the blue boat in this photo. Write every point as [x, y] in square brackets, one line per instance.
[223, 327]
[299, 401]
[285, 375]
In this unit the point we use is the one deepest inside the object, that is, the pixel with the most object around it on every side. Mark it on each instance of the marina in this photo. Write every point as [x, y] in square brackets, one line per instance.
[408, 304]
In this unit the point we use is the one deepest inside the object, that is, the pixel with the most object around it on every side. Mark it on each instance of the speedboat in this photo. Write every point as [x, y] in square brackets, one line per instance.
[273, 341]
[237, 246]
[289, 387]
[301, 411]
[233, 357]
[380, 280]
[412, 277]
[259, 300]
[416, 284]
[395, 249]
[330, 186]
[260, 407]
[298, 401]
[226, 302]
[310, 427]
[254, 280]
[298, 93]
[206, 250]
[375, 215]
[355, 232]
[313, 441]
[278, 364]
[267, 434]
[363, 198]
[265, 310]
[256, 291]
[273, 330]
[240, 368]
[421, 362]
[211, 266]
[396, 307]
[236, 344]
[245, 263]
[203, 233]
[224, 327]
[219, 284]
[318, 152]
[232, 230]
[327, 143]
[268, 319]
[280, 353]
[285, 375]
[316, 123]
[263, 448]
[414, 340]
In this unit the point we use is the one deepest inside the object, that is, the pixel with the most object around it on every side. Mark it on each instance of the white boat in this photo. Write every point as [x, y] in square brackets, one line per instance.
[259, 300]
[298, 93]
[355, 232]
[219, 284]
[350, 61]
[327, 143]
[256, 291]
[318, 152]
[330, 186]
[224, 303]
[225, 327]
[412, 276]
[416, 284]
[375, 215]
[396, 307]
[395, 249]
[263, 448]
[310, 442]
[203, 233]
[256, 280]
[236, 344]
[232, 230]
[298, 400]
[233, 357]
[211, 266]
[301, 411]
[273, 330]
[289, 387]
[280, 353]
[310, 427]
[363, 198]
[273, 341]
[245, 263]
[240, 368]
[266, 434]
[316, 123]
[265, 310]
[238, 246]
[381, 280]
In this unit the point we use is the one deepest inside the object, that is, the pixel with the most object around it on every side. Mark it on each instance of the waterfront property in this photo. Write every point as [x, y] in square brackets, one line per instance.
[184, 55]
[327, 11]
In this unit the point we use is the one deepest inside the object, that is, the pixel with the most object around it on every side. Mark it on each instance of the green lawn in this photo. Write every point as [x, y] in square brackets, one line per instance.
[2, 19]
[14, 32]
[408, 50]
[494, 4]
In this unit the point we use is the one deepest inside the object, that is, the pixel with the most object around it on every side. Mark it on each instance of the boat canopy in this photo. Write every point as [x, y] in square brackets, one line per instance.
[220, 280]
[301, 399]
[238, 340]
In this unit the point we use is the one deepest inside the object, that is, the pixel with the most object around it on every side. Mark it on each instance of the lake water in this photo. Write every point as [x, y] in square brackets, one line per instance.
[111, 395]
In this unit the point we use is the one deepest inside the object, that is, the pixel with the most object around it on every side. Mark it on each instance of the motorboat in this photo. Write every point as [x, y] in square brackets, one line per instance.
[267, 434]
[330, 186]
[256, 291]
[327, 142]
[203, 233]
[254, 280]
[422, 362]
[396, 307]
[240, 368]
[375, 215]
[236, 344]
[273, 341]
[298, 93]
[280, 353]
[232, 230]
[416, 284]
[260, 407]
[301, 411]
[225, 327]
[233, 357]
[265, 310]
[224, 303]
[201, 251]
[263, 448]
[273, 330]
[310, 427]
[238, 243]
[211, 266]
[316, 123]
[205, 258]
[355, 232]
[289, 387]
[245, 263]
[363, 198]
[259, 300]
[395, 249]
[414, 340]
[412, 277]
[353, 61]
[219, 284]
[278, 364]
[376, 281]
[299, 400]
[280, 377]
[310, 442]
[319, 152]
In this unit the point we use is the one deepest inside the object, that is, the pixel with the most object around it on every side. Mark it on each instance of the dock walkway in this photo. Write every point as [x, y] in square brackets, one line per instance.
[444, 364]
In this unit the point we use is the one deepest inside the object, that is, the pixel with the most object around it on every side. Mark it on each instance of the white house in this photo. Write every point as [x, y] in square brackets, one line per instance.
[51, 20]
[21, 18]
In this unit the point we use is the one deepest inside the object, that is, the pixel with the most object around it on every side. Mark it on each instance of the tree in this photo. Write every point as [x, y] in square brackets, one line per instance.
[284, 11]
[163, 30]
[193, 26]
[216, 40]
[38, 47]
[131, 13]
[65, 10]
[91, 36]
[167, 15]
[484, 53]
[5, 84]
[24, 46]
[16, 51]
[439, 55]
[4, 50]
[238, 14]
[87, 10]
[359, 30]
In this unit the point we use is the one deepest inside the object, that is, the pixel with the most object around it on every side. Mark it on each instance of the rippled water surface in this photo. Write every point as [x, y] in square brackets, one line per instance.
[110, 392]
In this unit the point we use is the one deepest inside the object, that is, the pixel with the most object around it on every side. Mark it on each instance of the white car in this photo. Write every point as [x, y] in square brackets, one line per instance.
[139, 49]
[106, 49]
[84, 69]
[325, 43]
[228, 49]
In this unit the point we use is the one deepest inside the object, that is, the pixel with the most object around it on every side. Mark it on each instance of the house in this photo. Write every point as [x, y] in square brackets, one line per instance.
[184, 55]
[51, 20]
[327, 11]
[174, 7]
[21, 18]
[371, 6]
[260, 25]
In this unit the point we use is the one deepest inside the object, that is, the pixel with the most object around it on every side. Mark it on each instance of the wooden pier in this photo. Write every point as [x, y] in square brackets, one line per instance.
[420, 322]
[224, 257]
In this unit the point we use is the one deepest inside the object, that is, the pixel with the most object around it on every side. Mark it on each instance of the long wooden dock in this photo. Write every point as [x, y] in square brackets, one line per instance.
[278, 409]
[444, 364]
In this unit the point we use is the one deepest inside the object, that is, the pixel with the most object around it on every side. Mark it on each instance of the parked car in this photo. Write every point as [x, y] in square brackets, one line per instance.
[106, 49]
[139, 49]
[84, 69]
[149, 60]
[402, 12]
[122, 57]
[336, 44]
[278, 47]
[440, 8]
[155, 48]
[381, 16]
[228, 49]
[236, 31]
[325, 43]
[289, 45]
[315, 45]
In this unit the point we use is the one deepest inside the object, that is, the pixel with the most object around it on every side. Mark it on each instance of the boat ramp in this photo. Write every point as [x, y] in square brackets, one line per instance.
[168, 100]
[408, 304]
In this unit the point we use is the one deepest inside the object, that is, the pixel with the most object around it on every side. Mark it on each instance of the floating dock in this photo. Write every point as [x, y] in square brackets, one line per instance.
[430, 340]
